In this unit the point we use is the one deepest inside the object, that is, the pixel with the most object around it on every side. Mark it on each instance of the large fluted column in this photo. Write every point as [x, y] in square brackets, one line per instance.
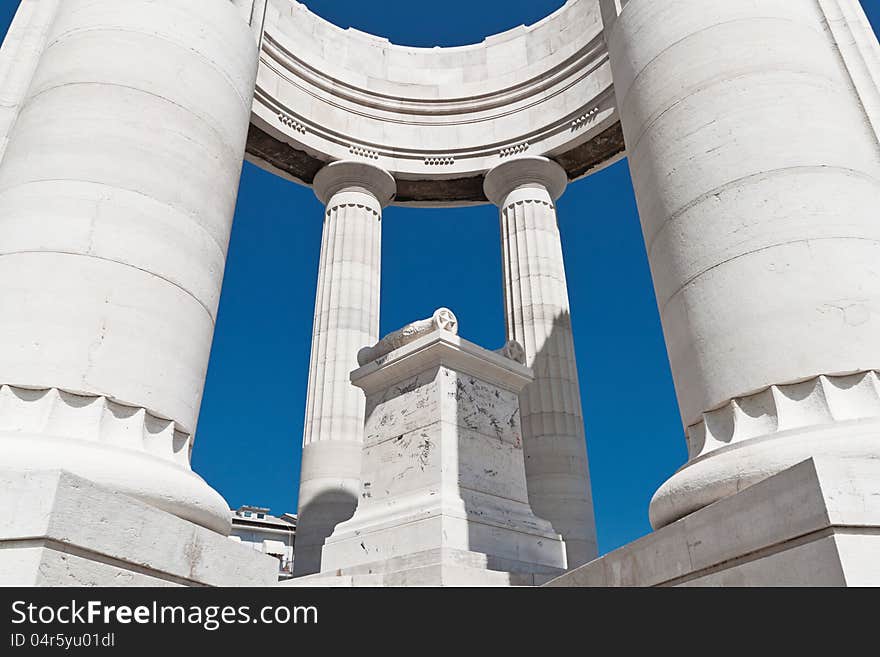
[346, 319]
[757, 175]
[538, 317]
[117, 192]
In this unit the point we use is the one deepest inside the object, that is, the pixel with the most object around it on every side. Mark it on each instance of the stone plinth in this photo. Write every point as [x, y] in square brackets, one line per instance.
[58, 529]
[815, 524]
[443, 494]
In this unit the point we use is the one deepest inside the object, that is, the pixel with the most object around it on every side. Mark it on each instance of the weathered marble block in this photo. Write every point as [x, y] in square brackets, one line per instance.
[443, 471]
[59, 529]
[814, 524]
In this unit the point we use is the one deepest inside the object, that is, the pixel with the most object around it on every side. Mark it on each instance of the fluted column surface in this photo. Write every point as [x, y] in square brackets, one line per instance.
[538, 317]
[346, 319]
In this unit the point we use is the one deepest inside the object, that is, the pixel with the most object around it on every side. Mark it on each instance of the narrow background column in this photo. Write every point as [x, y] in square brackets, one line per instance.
[346, 320]
[19, 57]
[538, 317]
[757, 174]
[117, 192]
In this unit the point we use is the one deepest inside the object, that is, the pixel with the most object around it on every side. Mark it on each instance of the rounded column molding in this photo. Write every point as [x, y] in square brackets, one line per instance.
[525, 177]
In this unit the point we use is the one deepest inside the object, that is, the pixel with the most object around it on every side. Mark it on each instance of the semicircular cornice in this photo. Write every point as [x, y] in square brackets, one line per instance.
[436, 118]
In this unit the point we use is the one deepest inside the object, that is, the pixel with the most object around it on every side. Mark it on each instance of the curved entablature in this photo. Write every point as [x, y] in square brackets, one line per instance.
[436, 118]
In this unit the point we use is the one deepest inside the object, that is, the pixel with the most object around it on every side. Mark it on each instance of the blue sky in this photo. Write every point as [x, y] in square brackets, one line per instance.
[249, 436]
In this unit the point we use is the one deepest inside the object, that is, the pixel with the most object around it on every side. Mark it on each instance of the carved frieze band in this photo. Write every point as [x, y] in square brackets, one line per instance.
[335, 207]
[291, 122]
[439, 161]
[54, 412]
[514, 150]
[549, 101]
[360, 151]
[585, 119]
[818, 401]
[524, 201]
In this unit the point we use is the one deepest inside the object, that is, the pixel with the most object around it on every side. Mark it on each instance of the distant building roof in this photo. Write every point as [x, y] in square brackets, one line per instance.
[258, 516]
[253, 509]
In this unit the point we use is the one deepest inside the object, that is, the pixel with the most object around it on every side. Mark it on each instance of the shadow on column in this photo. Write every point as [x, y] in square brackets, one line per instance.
[317, 520]
[554, 445]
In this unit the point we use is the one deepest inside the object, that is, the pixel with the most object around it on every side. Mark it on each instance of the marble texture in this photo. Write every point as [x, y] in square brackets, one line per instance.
[757, 179]
[439, 567]
[442, 319]
[437, 118]
[442, 466]
[346, 318]
[753, 136]
[538, 318]
[859, 51]
[58, 529]
[19, 56]
[814, 524]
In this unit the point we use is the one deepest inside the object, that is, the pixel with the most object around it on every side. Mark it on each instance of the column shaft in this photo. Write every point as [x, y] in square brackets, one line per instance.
[117, 192]
[757, 175]
[346, 319]
[538, 317]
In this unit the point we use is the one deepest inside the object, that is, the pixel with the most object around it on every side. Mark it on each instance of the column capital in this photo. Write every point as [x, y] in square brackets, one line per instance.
[524, 173]
[351, 176]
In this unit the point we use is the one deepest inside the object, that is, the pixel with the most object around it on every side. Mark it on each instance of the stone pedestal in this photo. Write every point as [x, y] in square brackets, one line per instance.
[58, 529]
[815, 524]
[443, 496]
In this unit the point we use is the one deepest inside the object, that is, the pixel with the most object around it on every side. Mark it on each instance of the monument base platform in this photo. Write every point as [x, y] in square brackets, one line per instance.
[444, 496]
[435, 567]
[58, 529]
[815, 524]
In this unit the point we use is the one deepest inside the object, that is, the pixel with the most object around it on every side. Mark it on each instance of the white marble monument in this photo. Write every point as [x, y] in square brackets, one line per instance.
[752, 131]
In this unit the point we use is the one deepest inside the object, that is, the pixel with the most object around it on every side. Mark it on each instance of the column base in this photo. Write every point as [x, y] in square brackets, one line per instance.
[730, 469]
[123, 448]
[59, 529]
[815, 524]
[330, 481]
